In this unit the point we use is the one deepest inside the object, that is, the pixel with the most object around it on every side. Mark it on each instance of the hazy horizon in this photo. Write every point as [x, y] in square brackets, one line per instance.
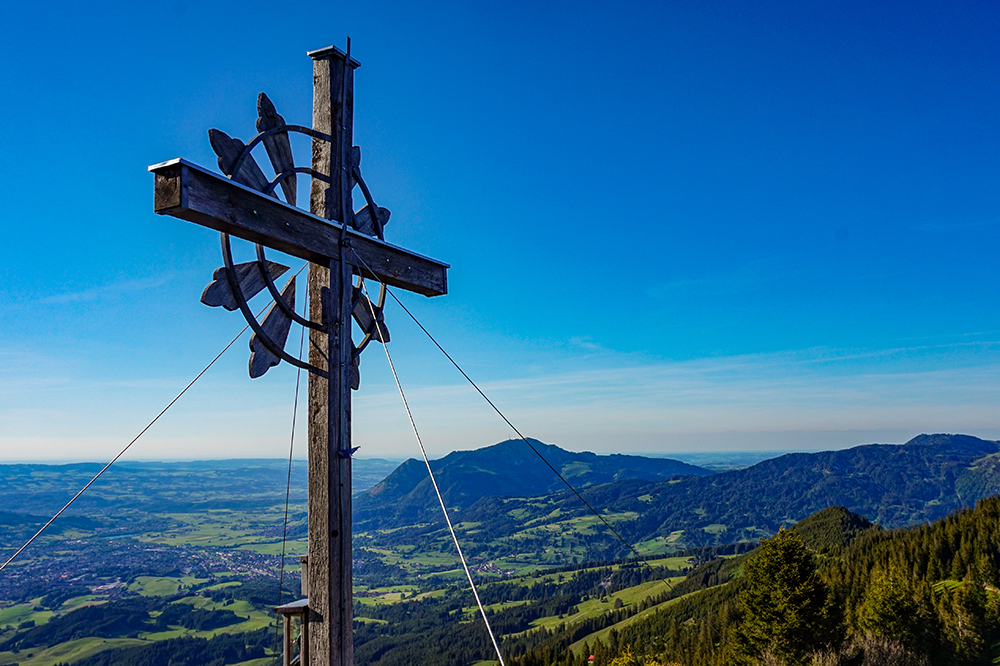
[683, 455]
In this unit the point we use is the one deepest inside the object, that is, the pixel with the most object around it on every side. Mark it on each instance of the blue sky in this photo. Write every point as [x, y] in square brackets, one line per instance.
[672, 226]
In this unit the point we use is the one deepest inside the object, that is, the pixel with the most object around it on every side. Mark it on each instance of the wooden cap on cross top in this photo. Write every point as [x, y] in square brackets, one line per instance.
[318, 54]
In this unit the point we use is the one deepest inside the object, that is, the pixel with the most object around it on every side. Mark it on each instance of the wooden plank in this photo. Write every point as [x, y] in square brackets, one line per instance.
[287, 651]
[320, 460]
[330, 52]
[304, 641]
[193, 193]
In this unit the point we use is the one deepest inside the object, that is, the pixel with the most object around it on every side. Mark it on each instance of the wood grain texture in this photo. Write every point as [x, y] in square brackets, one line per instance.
[169, 189]
[276, 326]
[325, 237]
[229, 149]
[286, 659]
[278, 147]
[331, 635]
[320, 309]
[218, 293]
[304, 641]
[218, 203]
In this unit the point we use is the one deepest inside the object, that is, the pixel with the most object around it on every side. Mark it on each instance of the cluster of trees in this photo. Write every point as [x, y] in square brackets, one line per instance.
[111, 620]
[56, 598]
[916, 597]
[182, 615]
[262, 593]
[371, 570]
[599, 581]
[835, 590]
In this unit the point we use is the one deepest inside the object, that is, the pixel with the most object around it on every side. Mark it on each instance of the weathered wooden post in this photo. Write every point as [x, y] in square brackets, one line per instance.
[330, 561]
[341, 245]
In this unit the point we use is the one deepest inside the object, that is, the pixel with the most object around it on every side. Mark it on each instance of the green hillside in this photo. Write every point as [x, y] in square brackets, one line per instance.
[927, 594]
[893, 485]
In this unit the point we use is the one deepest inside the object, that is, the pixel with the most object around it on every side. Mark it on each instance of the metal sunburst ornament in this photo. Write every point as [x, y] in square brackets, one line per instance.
[233, 285]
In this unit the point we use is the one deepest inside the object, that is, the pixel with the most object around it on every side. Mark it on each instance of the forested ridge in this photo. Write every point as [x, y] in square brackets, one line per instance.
[892, 485]
[923, 595]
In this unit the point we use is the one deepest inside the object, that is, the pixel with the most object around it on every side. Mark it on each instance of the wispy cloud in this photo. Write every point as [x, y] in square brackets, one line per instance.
[114, 290]
[585, 343]
[952, 388]
[811, 398]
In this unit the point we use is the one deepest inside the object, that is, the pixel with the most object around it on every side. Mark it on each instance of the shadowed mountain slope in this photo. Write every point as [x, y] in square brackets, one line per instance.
[507, 469]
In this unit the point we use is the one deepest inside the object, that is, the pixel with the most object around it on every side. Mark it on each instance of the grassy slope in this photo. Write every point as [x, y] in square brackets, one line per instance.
[638, 617]
[66, 652]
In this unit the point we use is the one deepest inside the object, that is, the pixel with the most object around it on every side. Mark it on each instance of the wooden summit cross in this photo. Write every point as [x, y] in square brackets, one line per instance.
[340, 244]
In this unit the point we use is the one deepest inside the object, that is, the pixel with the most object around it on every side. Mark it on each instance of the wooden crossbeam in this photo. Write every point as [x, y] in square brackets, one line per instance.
[193, 193]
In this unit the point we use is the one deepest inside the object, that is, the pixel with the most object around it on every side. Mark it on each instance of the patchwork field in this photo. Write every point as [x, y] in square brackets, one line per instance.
[179, 558]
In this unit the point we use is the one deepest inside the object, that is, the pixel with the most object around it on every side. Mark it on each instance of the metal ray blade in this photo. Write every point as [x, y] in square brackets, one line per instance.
[279, 148]
[276, 326]
[363, 315]
[364, 223]
[218, 293]
[229, 149]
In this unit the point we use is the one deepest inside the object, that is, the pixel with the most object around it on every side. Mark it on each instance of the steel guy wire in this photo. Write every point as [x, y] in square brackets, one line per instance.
[538, 453]
[134, 440]
[288, 488]
[430, 472]
[127, 446]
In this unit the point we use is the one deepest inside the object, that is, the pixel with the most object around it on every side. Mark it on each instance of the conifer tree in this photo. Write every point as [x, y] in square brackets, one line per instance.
[966, 620]
[889, 609]
[784, 603]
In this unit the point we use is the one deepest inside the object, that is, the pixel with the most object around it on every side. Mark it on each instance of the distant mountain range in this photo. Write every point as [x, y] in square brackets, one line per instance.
[893, 485]
[507, 469]
[498, 488]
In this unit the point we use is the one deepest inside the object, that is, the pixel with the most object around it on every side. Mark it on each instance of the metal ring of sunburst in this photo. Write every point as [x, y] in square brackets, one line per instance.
[234, 285]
